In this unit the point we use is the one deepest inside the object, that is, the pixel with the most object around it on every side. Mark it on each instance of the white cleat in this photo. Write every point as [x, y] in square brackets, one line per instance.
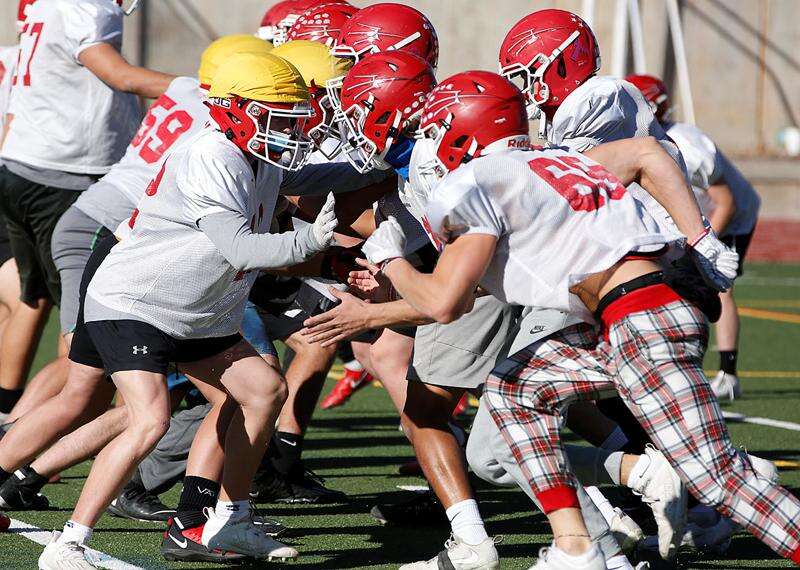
[726, 386]
[553, 559]
[244, 537]
[663, 491]
[64, 556]
[458, 555]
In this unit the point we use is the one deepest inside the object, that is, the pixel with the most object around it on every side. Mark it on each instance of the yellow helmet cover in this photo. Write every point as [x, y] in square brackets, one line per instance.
[263, 77]
[221, 49]
[314, 61]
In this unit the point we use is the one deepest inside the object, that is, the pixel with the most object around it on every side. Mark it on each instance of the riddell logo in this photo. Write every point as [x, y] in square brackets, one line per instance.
[519, 142]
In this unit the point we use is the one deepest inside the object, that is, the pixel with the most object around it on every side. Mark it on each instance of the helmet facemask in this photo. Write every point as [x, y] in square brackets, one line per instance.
[361, 151]
[277, 134]
[325, 133]
[131, 8]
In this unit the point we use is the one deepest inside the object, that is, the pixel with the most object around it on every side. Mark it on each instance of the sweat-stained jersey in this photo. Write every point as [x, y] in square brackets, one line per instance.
[707, 165]
[167, 272]
[179, 113]
[558, 217]
[65, 118]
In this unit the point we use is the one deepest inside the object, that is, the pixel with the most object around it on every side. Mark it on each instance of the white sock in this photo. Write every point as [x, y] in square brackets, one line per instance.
[354, 365]
[466, 522]
[638, 470]
[232, 510]
[618, 562]
[615, 441]
[75, 532]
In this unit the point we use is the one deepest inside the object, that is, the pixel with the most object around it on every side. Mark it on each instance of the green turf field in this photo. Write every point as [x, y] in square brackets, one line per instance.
[357, 449]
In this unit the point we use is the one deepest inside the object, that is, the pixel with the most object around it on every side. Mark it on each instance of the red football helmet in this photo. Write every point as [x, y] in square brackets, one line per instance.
[381, 98]
[388, 27]
[22, 13]
[281, 17]
[552, 52]
[322, 23]
[471, 111]
[655, 92]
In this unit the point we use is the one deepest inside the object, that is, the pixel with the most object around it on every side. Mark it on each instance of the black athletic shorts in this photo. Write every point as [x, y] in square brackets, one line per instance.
[32, 211]
[129, 344]
[740, 245]
[5, 245]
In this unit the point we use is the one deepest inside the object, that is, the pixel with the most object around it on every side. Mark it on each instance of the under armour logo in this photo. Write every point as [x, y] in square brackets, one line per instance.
[139, 350]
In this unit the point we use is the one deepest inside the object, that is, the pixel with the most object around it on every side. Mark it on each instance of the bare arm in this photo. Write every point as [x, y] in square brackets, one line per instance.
[353, 316]
[724, 206]
[113, 70]
[449, 291]
[643, 160]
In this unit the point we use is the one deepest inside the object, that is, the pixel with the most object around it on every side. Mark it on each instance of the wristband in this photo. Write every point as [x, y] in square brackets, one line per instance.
[701, 235]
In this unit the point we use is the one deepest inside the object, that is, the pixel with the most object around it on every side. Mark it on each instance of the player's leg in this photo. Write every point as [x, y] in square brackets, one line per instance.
[726, 384]
[389, 356]
[258, 392]
[48, 382]
[527, 405]
[667, 344]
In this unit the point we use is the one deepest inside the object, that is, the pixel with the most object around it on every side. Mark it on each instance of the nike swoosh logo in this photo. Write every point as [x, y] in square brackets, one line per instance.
[292, 443]
[183, 544]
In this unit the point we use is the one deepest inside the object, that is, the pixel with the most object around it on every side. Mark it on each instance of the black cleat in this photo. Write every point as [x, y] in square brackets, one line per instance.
[421, 509]
[20, 492]
[268, 526]
[270, 486]
[135, 503]
[185, 545]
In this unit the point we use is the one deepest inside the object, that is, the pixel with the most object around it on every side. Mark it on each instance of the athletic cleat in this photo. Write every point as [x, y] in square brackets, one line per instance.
[270, 486]
[462, 406]
[422, 509]
[135, 503]
[244, 537]
[267, 525]
[715, 539]
[726, 386]
[185, 545]
[64, 556]
[350, 382]
[553, 559]
[458, 555]
[663, 491]
[20, 492]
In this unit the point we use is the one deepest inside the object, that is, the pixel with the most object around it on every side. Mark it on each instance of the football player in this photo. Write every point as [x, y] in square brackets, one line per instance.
[69, 61]
[281, 16]
[212, 201]
[554, 228]
[732, 208]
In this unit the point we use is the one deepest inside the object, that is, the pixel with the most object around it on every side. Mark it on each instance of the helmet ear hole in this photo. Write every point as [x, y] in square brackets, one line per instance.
[561, 68]
[384, 118]
[460, 141]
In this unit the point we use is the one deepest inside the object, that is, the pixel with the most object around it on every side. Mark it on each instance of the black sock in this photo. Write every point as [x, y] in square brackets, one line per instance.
[32, 479]
[727, 361]
[197, 494]
[287, 449]
[9, 399]
[4, 475]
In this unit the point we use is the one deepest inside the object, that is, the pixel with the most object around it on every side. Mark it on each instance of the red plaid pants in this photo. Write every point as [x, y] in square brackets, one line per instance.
[653, 359]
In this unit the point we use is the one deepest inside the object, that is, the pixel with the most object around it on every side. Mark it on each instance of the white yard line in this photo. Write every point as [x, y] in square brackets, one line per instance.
[40, 536]
[741, 418]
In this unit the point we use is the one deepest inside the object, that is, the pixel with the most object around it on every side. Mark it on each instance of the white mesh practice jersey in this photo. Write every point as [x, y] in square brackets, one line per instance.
[707, 165]
[167, 272]
[178, 113]
[606, 109]
[65, 118]
[558, 216]
[8, 67]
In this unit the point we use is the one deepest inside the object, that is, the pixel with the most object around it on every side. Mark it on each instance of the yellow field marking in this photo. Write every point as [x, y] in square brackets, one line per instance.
[762, 373]
[786, 464]
[769, 315]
